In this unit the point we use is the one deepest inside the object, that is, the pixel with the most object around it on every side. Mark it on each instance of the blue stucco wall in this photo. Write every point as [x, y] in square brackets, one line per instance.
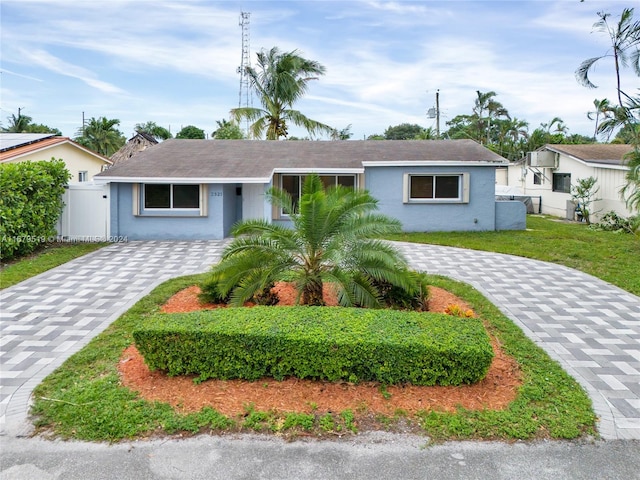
[230, 213]
[124, 223]
[386, 184]
[511, 215]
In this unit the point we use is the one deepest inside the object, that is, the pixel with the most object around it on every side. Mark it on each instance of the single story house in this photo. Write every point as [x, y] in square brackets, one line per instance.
[197, 189]
[81, 162]
[551, 171]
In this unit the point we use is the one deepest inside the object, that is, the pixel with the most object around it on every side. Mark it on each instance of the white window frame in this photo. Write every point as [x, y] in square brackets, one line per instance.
[463, 188]
[139, 208]
[83, 176]
[300, 176]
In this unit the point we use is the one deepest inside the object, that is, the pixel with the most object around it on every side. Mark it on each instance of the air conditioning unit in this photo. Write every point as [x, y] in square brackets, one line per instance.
[542, 159]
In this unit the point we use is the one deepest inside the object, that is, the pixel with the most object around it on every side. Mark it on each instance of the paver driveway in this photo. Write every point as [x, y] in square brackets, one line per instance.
[592, 328]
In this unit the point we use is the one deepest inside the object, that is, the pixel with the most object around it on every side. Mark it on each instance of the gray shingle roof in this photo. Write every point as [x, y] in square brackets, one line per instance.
[610, 154]
[229, 160]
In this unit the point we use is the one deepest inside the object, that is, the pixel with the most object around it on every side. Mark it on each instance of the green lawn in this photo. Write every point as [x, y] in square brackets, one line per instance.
[47, 257]
[613, 257]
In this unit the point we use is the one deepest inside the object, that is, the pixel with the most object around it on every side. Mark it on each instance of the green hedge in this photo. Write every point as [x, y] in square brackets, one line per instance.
[30, 204]
[318, 343]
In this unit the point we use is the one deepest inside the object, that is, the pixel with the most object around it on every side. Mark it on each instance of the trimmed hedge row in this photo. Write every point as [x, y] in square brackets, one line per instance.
[332, 344]
[30, 204]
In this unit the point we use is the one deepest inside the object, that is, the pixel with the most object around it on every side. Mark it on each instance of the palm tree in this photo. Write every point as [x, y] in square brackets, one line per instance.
[625, 42]
[227, 131]
[603, 107]
[101, 136]
[333, 239]
[19, 124]
[280, 80]
[486, 102]
[153, 129]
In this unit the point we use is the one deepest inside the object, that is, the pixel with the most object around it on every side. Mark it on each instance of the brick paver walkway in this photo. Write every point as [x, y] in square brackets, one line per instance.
[592, 328]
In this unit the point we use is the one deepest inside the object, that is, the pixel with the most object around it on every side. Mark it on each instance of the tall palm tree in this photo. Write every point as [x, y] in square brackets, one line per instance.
[333, 239]
[602, 108]
[19, 124]
[625, 48]
[485, 102]
[101, 136]
[280, 80]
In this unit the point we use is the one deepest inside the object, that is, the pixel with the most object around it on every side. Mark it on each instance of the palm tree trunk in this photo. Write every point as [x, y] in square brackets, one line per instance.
[312, 294]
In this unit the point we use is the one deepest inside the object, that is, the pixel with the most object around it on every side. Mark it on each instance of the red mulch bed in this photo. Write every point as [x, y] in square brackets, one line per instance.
[231, 397]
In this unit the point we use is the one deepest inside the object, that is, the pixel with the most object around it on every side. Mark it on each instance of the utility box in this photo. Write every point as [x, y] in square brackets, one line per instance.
[542, 159]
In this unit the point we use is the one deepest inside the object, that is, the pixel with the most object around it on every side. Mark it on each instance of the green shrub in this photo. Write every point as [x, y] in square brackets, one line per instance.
[612, 222]
[30, 204]
[333, 344]
[210, 290]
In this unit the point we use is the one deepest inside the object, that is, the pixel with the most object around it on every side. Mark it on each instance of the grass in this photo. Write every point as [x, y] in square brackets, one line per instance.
[83, 399]
[613, 257]
[45, 258]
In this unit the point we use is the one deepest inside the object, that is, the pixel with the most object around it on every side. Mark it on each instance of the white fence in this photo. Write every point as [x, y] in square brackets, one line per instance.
[85, 216]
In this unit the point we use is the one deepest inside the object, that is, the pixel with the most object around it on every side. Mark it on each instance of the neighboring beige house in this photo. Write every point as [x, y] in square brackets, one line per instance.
[81, 162]
[550, 172]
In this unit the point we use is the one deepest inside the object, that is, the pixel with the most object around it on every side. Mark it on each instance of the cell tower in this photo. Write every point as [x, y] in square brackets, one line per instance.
[244, 95]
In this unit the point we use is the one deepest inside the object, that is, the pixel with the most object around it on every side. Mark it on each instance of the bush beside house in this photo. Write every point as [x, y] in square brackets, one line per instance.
[30, 204]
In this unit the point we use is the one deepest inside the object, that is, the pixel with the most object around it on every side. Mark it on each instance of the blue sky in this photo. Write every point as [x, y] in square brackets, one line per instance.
[174, 62]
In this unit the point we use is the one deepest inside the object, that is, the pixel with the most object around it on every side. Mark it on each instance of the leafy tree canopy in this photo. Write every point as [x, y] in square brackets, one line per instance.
[191, 132]
[227, 131]
[404, 131]
[23, 124]
[153, 129]
[101, 135]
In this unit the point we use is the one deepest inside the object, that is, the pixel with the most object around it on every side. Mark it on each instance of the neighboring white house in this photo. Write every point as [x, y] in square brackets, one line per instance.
[550, 172]
[81, 162]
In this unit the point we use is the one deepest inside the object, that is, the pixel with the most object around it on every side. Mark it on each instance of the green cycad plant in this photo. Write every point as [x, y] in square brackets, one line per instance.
[332, 238]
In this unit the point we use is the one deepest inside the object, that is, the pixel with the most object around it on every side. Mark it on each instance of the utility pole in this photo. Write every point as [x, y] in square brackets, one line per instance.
[438, 113]
[435, 113]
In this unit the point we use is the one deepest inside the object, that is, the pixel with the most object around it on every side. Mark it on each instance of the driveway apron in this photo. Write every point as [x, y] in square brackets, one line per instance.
[47, 318]
[589, 326]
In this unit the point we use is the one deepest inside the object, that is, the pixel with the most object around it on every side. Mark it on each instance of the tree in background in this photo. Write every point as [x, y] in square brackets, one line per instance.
[279, 81]
[191, 132]
[22, 124]
[625, 43]
[227, 131]
[101, 135]
[485, 103]
[404, 131]
[344, 134]
[624, 39]
[602, 109]
[153, 129]
[427, 134]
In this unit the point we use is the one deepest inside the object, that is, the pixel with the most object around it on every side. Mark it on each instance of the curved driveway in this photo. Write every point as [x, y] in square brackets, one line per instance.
[592, 328]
